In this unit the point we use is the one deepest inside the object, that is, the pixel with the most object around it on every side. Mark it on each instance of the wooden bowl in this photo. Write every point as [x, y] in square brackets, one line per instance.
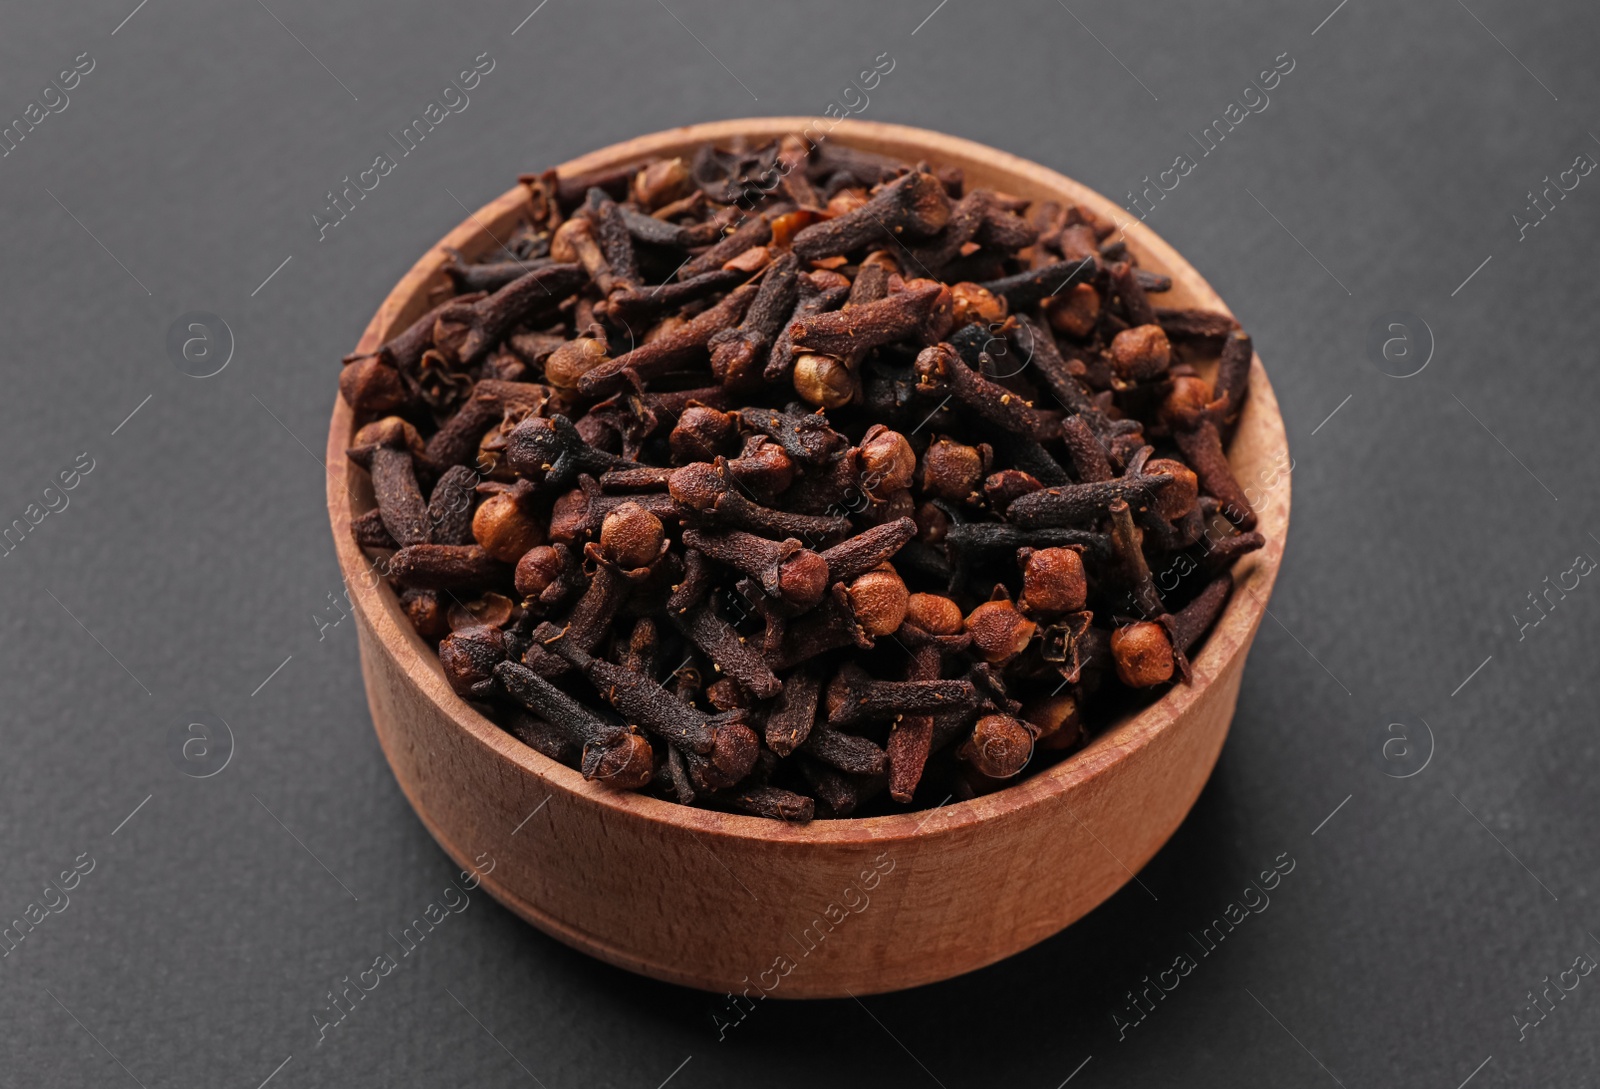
[835, 907]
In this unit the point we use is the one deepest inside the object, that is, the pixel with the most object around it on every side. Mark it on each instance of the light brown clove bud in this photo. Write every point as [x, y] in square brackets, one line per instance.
[823, 380]
[999, 631]
[1143, 654]
[1053, 581]
[880, 599]
[1141, 353]
[631, 536]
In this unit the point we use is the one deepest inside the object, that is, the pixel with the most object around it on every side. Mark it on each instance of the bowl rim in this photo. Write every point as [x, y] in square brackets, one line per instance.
[378, 603]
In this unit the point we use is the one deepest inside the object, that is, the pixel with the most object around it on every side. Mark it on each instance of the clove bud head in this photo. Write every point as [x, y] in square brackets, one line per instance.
[880, 599]
[934, 614]
[569, 240]
[538, 568]
[950, 469]
[627, 765]
[1143, 653]
[1007, 485]
[1185, 406]
[505, 527]
[887, 461]
[631, 536]
[1140, 354]
[469, 657]
[734, 749]
[697, 486]
[661, 183]
[573, 360]
[999, 631]
[1052, 580]
[701, 433]
[370, 386]
[1074, 312]
[391, 432]
[727, 694]
[823, 380]
[1000, 746]
[803, 579]
[1176, 498]
[763, 467]
[569, 515]
[426, 614]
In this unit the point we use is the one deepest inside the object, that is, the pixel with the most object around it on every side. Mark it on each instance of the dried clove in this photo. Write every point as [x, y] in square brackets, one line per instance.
[870, 452]
[916, 205]
[468, 330]
[612, 754]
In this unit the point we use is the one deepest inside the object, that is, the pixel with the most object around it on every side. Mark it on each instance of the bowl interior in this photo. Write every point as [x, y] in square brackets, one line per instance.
[1259, 452]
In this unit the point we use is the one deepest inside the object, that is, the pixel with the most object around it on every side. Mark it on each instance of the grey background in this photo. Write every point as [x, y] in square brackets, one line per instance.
[194, 559]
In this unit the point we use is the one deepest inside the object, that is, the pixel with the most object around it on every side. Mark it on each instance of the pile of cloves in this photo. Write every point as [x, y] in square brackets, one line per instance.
[797, 481]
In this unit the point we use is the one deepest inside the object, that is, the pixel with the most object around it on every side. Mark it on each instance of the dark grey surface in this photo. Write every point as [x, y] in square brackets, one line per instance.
[194, 558]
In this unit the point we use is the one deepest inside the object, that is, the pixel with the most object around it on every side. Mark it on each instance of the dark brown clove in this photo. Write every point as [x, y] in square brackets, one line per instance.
[868, 549]
[752, 231]
[386, 449]
[727, 650]
[1232, 382]
[704, 494]
[1188, 624]
[1082, 504]
[580, 512]
[791, 719]
[656, 357]
[786, 569]
[853, 696]
[370, 532]
[1128, 551]
[612, 754]
[806, 438]
[1135, 304]
[1186, 412]
[635, 308]
[468, 330]
[739, 354]
[847, 752]
[1026, 288]
[770, 801]
[469, 656]
[858, 329]
[450, 506]
[915, 205]
[820, 292]
[941, 370]
[1184, 324]
[485, 276]
[550, 450]
[829, 626]
[446, 567]
[458, 437]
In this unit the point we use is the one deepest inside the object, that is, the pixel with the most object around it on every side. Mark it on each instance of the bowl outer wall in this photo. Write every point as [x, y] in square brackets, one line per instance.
[726, 902]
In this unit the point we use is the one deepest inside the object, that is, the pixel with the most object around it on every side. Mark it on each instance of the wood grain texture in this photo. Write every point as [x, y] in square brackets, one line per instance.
[731, 903]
